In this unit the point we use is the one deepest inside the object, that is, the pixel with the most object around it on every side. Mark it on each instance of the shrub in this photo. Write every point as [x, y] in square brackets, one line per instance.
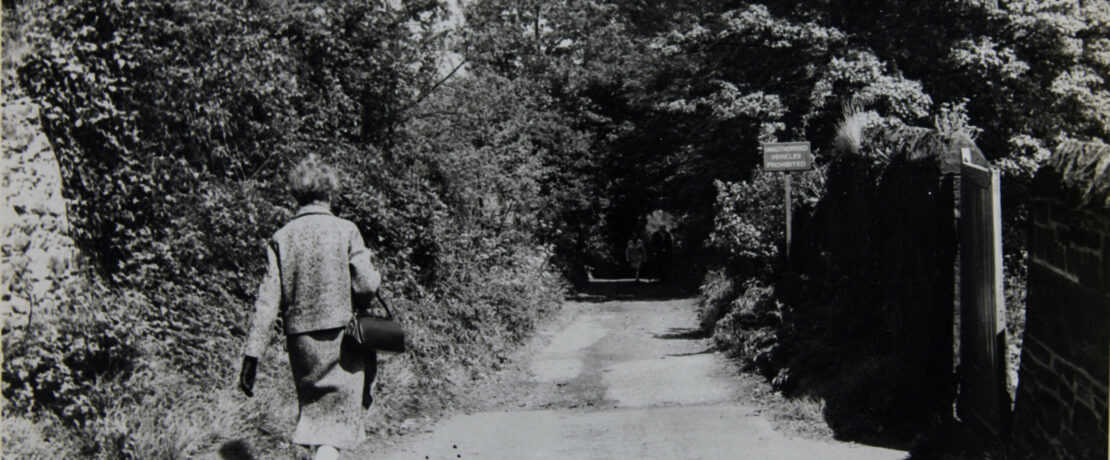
[749, 223]
[716, 294]
[738, 303]
[748, 227]
[750, 329]
[56, 365]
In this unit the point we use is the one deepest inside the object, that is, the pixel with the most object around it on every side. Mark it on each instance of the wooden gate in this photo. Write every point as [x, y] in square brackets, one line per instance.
[983, 399]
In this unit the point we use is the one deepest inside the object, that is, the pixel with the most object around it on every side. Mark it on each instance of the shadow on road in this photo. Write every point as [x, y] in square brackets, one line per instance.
[627, 289]
[683, 333]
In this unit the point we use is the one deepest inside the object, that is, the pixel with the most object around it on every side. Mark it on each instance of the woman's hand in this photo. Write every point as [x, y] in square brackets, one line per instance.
[247, 374]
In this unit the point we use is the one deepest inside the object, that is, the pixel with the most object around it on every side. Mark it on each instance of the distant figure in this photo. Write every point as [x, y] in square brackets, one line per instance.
[661, 246]
[635, 254]
[314, 263]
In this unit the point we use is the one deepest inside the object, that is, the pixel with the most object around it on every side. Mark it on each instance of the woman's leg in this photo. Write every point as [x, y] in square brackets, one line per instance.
[326, 453]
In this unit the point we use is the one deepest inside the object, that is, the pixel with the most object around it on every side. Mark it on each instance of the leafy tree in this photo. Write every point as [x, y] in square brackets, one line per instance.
[568, 54]
[694, 87]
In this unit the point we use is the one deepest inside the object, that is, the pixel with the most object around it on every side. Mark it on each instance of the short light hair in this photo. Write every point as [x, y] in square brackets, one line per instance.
[313, 180]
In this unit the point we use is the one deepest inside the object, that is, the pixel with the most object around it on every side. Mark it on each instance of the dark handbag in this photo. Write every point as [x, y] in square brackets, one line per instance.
[375, 332]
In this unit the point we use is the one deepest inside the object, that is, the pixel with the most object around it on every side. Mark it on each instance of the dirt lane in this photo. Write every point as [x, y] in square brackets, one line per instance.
[618, 380]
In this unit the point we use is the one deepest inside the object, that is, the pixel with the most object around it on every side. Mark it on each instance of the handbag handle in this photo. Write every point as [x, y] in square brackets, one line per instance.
[356, 309]
[378, 295]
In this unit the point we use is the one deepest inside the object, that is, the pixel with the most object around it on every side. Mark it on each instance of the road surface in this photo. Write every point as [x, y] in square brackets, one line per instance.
[620, 380]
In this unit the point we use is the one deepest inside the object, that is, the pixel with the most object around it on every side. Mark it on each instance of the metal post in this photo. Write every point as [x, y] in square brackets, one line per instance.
[788, 214]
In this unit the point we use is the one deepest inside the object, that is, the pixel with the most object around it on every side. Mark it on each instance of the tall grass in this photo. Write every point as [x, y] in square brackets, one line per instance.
[849, 131]
[164, 415]
[805, 416]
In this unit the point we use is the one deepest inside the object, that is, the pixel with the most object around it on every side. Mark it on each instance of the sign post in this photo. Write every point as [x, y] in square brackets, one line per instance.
[787, 206]
[787, 157]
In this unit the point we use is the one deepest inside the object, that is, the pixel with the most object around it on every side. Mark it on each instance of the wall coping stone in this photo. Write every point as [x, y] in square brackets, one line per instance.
[1082, 170]
[916, 144]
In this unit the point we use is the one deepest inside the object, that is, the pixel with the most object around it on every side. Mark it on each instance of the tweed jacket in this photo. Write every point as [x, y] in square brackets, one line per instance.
[313, 264]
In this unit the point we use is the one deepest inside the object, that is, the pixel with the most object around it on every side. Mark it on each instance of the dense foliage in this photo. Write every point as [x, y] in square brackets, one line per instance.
[671, 96]
[1019, 76]
[175, 124]
[483, 150]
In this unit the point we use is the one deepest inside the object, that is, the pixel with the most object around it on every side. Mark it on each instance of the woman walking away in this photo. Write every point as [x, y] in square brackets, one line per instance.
[314, 263]
[635, 254]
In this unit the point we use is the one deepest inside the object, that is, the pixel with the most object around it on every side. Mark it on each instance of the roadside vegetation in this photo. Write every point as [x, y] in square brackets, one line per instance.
[942, 68]
[175, 124]
[490, 154]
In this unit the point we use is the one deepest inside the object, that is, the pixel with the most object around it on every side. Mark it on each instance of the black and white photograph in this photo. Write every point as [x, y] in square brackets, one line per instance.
[555, 229]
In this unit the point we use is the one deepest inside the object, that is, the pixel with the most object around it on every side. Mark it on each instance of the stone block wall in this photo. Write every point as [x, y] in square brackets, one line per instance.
[36, 254]
[1061, 406]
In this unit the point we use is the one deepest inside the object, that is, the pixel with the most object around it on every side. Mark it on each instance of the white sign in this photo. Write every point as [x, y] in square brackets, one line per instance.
[787, 156]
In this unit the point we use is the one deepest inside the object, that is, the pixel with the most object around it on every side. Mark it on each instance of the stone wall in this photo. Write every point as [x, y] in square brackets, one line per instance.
[1061, 406]
[36, 255]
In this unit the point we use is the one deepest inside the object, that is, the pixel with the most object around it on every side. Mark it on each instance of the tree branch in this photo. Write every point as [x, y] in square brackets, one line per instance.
[433, 88]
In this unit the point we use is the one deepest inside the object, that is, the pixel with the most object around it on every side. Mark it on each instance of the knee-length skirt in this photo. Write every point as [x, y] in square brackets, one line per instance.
[333, 377]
